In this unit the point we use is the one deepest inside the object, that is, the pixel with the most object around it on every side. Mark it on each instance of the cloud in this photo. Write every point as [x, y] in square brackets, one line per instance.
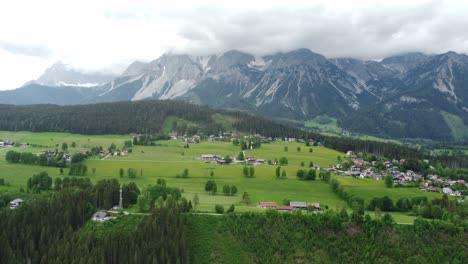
[373, 31]
[96, 35]
[28, 50]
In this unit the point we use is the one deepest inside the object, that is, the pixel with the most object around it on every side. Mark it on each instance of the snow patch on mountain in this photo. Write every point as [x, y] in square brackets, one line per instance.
[60, 83]
[259, 64]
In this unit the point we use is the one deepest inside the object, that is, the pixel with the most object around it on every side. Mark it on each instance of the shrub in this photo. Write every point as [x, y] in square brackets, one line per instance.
[219, 209]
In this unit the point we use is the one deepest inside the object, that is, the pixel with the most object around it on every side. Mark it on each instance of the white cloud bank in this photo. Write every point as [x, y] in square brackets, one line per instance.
[108, 35]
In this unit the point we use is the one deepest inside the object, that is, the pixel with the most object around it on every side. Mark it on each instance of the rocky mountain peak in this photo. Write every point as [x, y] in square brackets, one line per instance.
[60, 74]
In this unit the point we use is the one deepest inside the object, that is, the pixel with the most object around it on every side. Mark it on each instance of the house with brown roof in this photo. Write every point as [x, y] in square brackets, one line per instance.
[267, 205]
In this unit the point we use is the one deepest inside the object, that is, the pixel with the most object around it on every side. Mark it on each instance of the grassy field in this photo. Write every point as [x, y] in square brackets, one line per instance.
[171, 158]
[368, 189]
[324, 123]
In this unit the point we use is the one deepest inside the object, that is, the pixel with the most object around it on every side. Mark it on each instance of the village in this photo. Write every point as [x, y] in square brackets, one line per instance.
[359, 168]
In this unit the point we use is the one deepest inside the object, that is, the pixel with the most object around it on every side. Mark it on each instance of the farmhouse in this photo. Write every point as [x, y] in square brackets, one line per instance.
[2, 144]
[298, 205]
[267, 205]
[314, 205]
[284, 208]
[15, 203]
[209, 157]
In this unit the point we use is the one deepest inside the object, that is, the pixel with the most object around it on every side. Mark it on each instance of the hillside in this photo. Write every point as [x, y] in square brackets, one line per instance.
[402, 96]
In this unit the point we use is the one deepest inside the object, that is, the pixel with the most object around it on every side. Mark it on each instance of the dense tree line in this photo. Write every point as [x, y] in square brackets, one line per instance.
[332, 237]
[47, 231]
[54, 159]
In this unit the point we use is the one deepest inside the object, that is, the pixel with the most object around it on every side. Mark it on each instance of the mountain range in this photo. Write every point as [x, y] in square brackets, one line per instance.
[412, 95]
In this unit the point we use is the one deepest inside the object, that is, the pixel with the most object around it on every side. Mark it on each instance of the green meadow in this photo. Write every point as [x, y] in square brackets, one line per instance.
[170, 158]
[369, 188]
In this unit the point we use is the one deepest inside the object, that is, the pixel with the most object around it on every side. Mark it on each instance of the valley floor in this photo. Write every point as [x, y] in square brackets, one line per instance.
[170, 158]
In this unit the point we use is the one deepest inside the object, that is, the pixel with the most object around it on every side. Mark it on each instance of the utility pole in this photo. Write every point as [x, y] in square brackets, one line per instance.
[120, 200]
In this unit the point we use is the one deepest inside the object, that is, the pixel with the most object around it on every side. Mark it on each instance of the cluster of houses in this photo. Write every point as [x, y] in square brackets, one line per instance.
[433, 183]
[213, 158]
[52, 153]
[104, 153]
[227, 137]
[363, 169]
[293, 206]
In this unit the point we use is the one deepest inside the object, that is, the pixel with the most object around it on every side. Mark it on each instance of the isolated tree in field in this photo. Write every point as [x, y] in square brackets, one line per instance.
[388, 181]
[132, 173]
[286, 149]
[311, 175]
[311, 164]
[211, 173]
[283, 161]
[226, 190]
[185, 174]
[211, 187]
[298, 148]
[73, 144]
[311, 150]
[283, 174]
[278, 172]
[219, 209]
[64, 146]
[241, 156]
[121, 172]
[61, 171]
[196, 200]
[235, 142]
[245, 171]
[246, 198]
[251, 172]
[233, 190]
[302, 164]
[300, 174]
[94, 170]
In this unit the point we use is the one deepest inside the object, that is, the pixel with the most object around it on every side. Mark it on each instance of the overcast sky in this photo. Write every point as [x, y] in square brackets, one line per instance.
[108, 35]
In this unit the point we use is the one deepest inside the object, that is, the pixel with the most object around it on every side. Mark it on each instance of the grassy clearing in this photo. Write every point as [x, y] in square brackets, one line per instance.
[457, 127]
[120, 225]
[324, 123]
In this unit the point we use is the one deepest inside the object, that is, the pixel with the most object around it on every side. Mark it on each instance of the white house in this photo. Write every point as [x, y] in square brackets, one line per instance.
[15, 203]
[100, 216]
[447, 191]
[2, 144]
